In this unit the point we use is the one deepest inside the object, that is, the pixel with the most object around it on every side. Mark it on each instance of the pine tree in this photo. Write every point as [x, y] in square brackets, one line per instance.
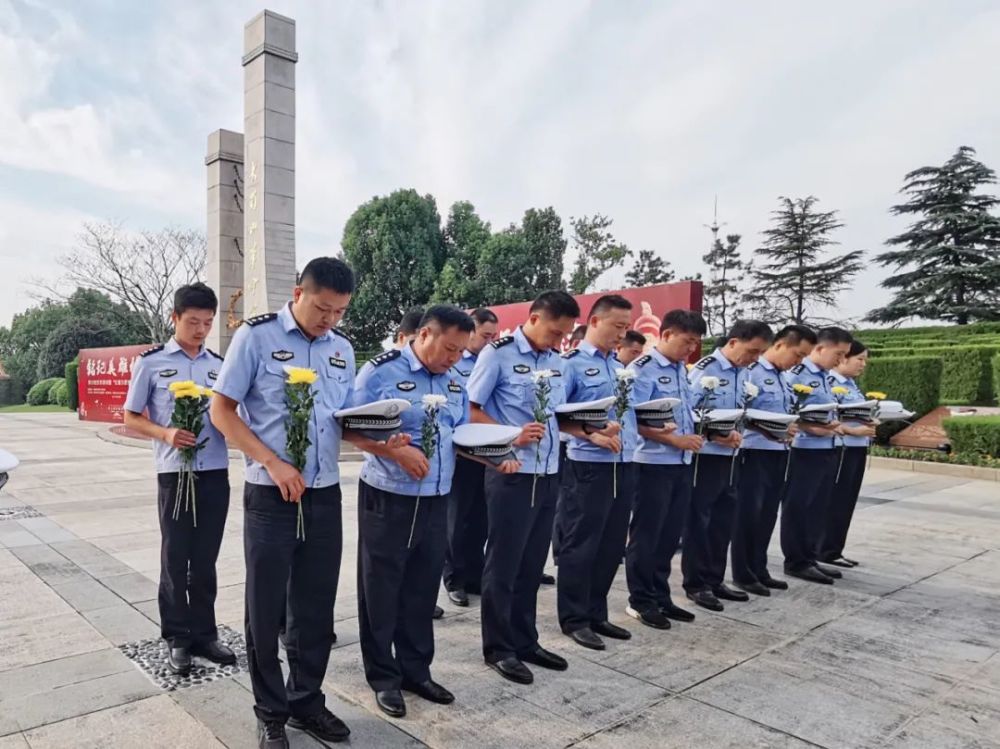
[722, 294]
[951, 253]
[649, 269]
[596, 251]
[794, 272]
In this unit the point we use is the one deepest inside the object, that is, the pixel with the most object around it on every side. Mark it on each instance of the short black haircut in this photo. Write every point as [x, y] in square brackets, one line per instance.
[795, 334]
[448, 316]
[579, 333]
[556, 304]
[483, 315]
[609, 302]
[685, 321]
[748, 330]
[195, 296]
[411, 321]
[328, 273]
[634, 336]
[857, 348]
[832, 335]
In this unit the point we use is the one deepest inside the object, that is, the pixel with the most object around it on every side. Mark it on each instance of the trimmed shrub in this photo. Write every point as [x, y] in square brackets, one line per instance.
[72, 385]
[60, 394]
[914, 380]
[57, 381]
[996, 377]
[967, 375]
[38, 395]
[974, 434]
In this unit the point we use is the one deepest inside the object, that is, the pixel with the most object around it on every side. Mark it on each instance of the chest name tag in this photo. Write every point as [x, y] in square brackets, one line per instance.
[592, 371]
[338, 363]
[665, 380]
[168, 372]
[282, 355]
[405, 386]
[522, 368]
[454, 387]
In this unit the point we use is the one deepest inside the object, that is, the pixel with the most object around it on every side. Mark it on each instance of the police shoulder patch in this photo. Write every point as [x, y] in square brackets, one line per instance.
[571, 353]
[152, 350]
[797, 369]
[342, 334]
[217, 356]
[261, 319]
[642, 360]
[501, 342]
[386, 357]
[703, 364]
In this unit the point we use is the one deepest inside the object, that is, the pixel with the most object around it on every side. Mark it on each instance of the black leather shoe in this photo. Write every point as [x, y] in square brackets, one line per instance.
[811, 574]
[758, 589]
[548, 579]
[773, 584]
[611, 630]
[458, 597]
[728, 594]
[179, 660]
[706, 599]
[546, 659]
[324, 726]
[653, 618]
[271, 734]
[587, 638]
[672, 611]
[214, 651]
[430, 690]
[390, 702]
[829, 571]
[438, 612]
[840, 562]
[513, 670]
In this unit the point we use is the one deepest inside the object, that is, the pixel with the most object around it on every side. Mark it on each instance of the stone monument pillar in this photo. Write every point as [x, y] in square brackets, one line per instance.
[269, 158]
[225, 232]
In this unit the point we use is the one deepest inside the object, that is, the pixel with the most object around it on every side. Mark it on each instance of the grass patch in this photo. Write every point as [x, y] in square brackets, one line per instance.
[24, 408]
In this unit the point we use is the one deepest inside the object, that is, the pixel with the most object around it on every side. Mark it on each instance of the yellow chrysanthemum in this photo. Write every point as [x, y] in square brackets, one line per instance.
[300, 375]
[182, 385]
[206, 392]
[838, 390]
[800, 388]
[876, 395]
[192, 392]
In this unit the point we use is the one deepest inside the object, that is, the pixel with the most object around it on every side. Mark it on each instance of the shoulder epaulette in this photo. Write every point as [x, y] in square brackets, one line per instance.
[797, 368]
[217, 356]
[501, 342]
[703, 364]
[387, 356]
[342, 334]
[571, 353]
[259, 319]
[152, 350]
[754, 364]
[642, 360]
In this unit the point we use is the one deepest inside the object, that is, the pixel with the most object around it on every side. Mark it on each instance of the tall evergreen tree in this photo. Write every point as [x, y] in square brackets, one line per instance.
[795, 272]
[722, 294]
[544, 239]
[597, 251]
[465, 235]
[649, 269]
[947, 266]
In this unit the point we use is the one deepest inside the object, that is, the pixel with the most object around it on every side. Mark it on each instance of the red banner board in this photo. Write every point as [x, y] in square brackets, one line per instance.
[103, 380]
[649, 304]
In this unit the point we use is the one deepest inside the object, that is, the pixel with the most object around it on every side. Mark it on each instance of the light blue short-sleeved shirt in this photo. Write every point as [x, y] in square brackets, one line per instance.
[401, 374]
[254, 376]
[501, 383]
[463, 369]
[809, 373]
[149, 389]
[659, 377]
[589, 374]
[772, 396]
[854, 396]
[729, 393]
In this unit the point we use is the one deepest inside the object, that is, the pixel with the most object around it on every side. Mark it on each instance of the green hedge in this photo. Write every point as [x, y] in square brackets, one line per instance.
[914, 380]
[53, 391]
[60, 394]
[936, 456]
[967, 375]
[72, 386]
[996, 377]
[974, 434]
[12, 392]
[38, 395]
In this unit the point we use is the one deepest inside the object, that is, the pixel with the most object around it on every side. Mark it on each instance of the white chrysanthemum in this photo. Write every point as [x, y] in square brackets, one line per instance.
[625, 374]
[709, 383]
[542, 374]
[432, 400]
[751, 390]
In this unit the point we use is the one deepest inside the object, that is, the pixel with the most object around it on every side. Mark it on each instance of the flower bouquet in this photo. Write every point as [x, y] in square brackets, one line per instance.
[299, 399]
[540, 412]
[429, 433]
[190, 404]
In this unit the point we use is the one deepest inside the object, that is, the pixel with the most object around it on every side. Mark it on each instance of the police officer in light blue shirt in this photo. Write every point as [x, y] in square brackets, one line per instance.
[402, 507]
[713, 496]
[520, 507]
[851, 469]
[663, 457]
[190, 537]
[465, 554]
[762, 463]
[279, 558]
[598, 480]
[813, 462]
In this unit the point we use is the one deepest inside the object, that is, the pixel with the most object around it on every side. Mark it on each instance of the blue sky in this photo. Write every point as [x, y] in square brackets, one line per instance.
[640, 110]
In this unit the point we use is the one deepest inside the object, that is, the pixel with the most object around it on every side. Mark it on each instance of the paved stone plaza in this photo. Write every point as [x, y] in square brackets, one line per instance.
[903, 652]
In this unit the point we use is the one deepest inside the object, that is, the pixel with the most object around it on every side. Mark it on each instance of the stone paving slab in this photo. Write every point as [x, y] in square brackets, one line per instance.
[121, 623]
